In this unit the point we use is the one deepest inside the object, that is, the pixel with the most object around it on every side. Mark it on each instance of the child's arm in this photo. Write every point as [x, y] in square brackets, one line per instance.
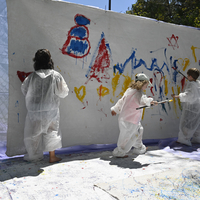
[61, 89]
[175, 96]
[116, 109]
[154, 103]
[25, 85]
[146, 100]
[113, 113]
[190, 94]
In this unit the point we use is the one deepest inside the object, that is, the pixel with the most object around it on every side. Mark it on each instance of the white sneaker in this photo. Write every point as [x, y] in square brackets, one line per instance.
[140, 150]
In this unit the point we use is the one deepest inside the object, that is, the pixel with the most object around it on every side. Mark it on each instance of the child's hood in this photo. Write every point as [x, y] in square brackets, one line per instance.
[43, 73]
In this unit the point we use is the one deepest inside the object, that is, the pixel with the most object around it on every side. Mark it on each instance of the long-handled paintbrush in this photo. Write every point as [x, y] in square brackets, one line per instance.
[179, 72]
[152, 105]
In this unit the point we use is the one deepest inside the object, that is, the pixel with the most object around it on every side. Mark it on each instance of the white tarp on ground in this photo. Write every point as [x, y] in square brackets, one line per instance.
[98, 53]
[75, 176]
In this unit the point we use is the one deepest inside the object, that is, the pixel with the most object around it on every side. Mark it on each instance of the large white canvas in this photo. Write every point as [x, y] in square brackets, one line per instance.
[108, 51]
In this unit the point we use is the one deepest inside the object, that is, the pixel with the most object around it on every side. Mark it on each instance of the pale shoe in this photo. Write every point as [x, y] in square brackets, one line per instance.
[186, 142]
[140, 150]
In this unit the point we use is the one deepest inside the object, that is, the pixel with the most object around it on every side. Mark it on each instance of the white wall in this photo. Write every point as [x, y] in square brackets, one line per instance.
[132, 44]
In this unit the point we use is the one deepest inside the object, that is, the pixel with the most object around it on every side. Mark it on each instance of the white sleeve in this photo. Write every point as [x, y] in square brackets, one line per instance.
[145, 100]
[25, 85]
[190, 94]
[118, 106]
[61, 88]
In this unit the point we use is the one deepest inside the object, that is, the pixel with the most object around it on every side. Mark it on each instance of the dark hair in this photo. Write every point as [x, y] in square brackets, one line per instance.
[193, 72]
[42, 60]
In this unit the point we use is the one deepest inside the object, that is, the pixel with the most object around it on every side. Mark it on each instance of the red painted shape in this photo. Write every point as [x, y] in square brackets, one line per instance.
[151, 89]
[100, 89]
[22, 75]
[182, 83]
[174, 68]
[173, 41]
[101, 64]
[69, 38]
[161, 119]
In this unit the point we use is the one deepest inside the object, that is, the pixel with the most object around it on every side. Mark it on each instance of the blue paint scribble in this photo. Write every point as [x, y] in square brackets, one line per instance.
[78, 32]
[121, 67]
[81, 20]
[136, 63]
[175, 67]
[77, 47]
[17, 104]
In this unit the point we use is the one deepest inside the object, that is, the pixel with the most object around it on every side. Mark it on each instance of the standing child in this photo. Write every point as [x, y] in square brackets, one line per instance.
[131, 130]
[43, 90]
[189, 127]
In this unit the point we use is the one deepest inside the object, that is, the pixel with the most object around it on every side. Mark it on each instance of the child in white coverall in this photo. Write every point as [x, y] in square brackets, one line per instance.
[189, 127]
[43, 89]
[131, 130]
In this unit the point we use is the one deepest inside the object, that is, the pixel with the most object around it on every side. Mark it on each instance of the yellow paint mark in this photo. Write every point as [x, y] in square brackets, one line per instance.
[59, 68]
[125, 85]
[184, 63]
[102, 91]
[111, 101]
[174, 101]
[143, 113]
[179, 102]
[193, 52]
[78, 92]
[166, 86]
[115, 82]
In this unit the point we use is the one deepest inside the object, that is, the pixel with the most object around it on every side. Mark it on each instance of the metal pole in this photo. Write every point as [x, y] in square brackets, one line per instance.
[109, 4]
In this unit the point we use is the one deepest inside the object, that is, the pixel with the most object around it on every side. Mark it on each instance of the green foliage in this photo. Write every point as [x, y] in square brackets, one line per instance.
[183, 12]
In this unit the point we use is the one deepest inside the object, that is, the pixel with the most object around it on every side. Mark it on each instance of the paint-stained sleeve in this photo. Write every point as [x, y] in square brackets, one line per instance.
[145, 100]
[61, 88]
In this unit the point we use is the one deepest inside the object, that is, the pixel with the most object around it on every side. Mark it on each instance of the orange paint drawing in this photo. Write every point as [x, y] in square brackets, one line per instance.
[102, 91]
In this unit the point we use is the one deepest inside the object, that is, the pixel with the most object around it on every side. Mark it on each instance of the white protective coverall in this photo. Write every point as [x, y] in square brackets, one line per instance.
[189, 127]
[43, 90]
[131, 130]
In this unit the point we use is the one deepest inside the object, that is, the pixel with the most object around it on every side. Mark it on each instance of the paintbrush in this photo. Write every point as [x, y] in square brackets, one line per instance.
[153, 105]
[179, 72]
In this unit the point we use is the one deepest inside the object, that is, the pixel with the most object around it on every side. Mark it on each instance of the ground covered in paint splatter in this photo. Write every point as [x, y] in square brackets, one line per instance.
[76, 175]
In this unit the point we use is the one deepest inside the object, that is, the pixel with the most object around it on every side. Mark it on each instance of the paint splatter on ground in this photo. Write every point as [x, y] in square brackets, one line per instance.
[75, 176]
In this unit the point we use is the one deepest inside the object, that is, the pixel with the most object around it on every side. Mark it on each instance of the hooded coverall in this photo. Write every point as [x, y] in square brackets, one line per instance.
[43, 90]
[189, 127]
[131, 130]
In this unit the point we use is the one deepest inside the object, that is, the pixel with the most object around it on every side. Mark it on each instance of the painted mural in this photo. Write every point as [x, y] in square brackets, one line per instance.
[99, 53]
